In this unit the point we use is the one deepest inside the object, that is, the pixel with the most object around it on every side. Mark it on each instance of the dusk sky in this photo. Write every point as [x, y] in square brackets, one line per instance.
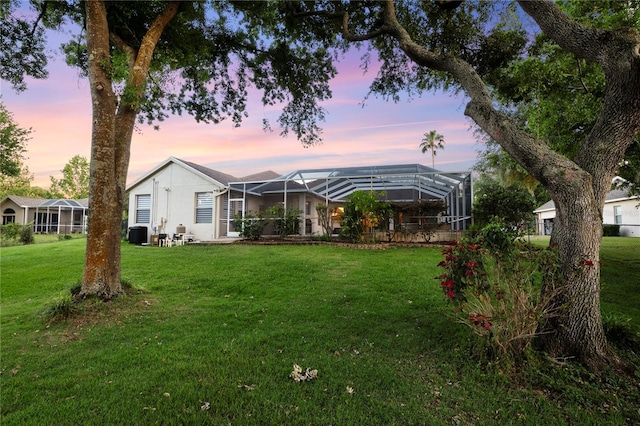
[58, 110]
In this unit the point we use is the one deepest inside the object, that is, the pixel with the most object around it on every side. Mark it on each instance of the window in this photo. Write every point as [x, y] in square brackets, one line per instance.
[8, 216]
[204, 207]
[617, 215]
[307, 208]
[143, 208]
[77, 217]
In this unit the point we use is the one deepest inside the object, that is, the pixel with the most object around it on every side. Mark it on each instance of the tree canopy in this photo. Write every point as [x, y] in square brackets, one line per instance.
[558, 96]
[13, 144]
[432, 141]
[74, 183]
[146, 60]
[478, 47]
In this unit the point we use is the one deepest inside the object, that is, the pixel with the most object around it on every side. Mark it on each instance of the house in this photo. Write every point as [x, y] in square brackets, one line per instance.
[57, 216]
[619, 209]
[181, 197]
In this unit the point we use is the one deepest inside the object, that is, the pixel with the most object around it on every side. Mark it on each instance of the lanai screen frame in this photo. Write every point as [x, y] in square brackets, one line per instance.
[58, 205]
[335, 184]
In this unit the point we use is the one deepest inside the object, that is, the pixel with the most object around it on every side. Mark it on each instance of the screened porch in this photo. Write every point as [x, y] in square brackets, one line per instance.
[400, 184]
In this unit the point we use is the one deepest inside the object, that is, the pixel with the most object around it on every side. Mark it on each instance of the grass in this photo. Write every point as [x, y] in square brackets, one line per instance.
[620, 275]
[211, 333]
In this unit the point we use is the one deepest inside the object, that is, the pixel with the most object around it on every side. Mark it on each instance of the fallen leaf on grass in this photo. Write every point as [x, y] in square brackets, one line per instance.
[300, 376]
[246, 387]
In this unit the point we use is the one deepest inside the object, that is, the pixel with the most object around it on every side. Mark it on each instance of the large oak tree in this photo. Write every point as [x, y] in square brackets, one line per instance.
[146, 60]
[461, 45]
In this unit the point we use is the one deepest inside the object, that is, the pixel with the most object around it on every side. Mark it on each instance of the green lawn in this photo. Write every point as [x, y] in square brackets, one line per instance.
[212, 333]
[620, 275]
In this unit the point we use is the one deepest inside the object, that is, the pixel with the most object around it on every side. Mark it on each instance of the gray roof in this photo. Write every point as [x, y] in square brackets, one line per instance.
[549, 205]
[220, 177]
[43, 202]
[223, 178]
[63, 203]
[266, 175]
[26, 201]
[616, 194]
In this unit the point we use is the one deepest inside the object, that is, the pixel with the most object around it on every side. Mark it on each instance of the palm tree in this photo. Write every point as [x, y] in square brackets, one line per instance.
[432, 141]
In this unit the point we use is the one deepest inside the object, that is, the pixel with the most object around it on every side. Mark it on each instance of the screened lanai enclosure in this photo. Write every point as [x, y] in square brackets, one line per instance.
[60, 216]
[421, 197]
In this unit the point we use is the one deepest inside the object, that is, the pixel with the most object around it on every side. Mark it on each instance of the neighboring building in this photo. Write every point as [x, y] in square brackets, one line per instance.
[619, 209]
[58, 216]
[182, 197]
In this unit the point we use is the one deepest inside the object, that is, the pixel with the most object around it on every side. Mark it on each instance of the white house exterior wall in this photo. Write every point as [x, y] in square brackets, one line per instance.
[173, 192]
[630, 212]
[544, 219]
[630, 226]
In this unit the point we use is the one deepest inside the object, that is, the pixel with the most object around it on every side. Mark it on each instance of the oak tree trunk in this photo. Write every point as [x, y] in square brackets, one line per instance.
[101, 275]
[574, 326]
[579, 186]
[112, 129]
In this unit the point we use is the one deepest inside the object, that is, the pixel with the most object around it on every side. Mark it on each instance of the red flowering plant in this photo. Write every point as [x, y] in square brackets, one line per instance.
[494, 283]
[464, 268]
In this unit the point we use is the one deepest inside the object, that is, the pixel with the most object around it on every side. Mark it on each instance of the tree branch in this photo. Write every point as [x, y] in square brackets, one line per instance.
[587, 43]
[43, 11]
[534, 156]
[343, 16]
[122, 45]
[149, 42]
[580, 76]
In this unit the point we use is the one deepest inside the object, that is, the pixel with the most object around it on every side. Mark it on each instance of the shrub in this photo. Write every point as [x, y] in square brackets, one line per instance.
[252, 225]
[15, 233]
[611, 230]
[494, 283]
[10, 230]
[363, 213]
[351, 226]
[515, 204]
[285, 222]
[26, 234]
[324, 216]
